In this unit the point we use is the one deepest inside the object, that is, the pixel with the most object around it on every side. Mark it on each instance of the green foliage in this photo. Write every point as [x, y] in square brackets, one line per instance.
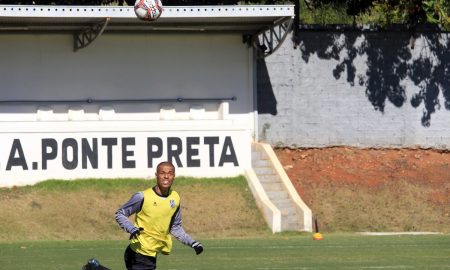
[325, 13]
[438, 12]
[382, 12]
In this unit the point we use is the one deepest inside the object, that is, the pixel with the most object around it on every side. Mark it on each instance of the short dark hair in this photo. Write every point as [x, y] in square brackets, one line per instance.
[165, 163]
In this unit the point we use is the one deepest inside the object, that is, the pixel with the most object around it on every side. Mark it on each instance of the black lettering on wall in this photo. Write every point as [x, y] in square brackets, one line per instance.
[128, 153]
[69, 163]
[174, 150]
[49, 151]
[228, 145]
[211, 141]
[192, 152]
[73, 150]
[154, 150]
[109, 143]
[88, 152]
[16, 161]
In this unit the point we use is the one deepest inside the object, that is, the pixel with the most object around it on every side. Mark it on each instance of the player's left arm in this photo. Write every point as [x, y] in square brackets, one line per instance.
[176, 229]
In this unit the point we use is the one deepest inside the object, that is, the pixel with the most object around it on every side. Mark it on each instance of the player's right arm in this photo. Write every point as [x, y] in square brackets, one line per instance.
[133, 205]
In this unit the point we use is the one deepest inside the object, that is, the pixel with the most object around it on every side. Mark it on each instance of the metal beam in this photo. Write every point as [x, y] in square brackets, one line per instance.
[268, 41]
[85, 37]
[93, 101]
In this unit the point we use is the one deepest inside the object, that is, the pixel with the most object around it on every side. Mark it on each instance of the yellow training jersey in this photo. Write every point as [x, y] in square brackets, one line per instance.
[155, 217]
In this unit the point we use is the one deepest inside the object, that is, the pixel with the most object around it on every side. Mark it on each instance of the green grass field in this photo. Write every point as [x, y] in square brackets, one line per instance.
[281, 251]
[37, 232]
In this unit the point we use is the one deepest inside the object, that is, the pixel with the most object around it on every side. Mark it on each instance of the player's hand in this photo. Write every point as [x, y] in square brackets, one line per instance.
[197, 246]
[136, 232]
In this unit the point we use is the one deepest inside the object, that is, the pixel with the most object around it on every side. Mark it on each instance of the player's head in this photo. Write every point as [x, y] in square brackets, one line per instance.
[165, 164]
[165, 173]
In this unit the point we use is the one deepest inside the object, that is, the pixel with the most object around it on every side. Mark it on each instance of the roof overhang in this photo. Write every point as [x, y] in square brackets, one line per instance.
[244, 19]
[88, 22]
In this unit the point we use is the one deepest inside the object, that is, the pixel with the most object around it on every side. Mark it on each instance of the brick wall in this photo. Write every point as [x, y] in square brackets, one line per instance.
[357, 88]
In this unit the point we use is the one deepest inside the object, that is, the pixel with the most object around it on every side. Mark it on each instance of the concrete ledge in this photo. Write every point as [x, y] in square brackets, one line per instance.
[107, 113]
[167, 112]
[197, 112]
[44, 113]
[271, 213]
[76, 113]
[224, 110]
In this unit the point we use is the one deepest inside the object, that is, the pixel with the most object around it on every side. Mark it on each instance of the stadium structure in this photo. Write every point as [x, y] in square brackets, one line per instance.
[93, 92]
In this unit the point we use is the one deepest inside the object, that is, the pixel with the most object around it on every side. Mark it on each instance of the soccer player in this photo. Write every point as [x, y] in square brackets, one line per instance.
[158, 215]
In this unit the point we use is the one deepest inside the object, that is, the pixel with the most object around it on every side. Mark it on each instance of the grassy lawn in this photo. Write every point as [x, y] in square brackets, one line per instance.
[281, 251]
[62, 224]
[84, 209]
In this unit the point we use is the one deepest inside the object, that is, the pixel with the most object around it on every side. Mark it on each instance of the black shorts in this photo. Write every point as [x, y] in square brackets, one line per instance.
[136, 261]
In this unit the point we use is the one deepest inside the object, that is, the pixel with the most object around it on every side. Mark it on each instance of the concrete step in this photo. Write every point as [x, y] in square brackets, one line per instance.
[258, 155]
[276, 191]
[286, 206]
[288, 213]
[268, 178]
[264, 170]
[273, 186]
[290, 221]
[290, 226]
[284, 203]
[260, 163]
[276, 195]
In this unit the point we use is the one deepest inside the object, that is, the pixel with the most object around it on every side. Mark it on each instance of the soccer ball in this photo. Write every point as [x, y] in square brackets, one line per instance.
[317, 236]
[148, 10]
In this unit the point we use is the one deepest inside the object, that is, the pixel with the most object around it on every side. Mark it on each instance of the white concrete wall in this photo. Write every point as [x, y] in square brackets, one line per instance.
[124, 67]
[394, 96]
[42, 141]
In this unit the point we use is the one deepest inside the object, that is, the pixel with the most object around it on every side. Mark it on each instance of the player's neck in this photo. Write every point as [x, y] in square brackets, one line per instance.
[161, 192]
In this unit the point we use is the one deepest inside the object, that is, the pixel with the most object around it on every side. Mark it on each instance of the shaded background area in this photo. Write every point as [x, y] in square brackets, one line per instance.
[266, 100]
[388, 65]
[357, 87]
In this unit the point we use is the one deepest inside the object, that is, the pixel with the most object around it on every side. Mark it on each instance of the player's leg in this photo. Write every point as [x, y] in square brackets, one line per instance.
[136, 261]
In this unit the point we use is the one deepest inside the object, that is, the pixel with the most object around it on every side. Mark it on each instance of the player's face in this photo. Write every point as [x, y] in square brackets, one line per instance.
[164, 176]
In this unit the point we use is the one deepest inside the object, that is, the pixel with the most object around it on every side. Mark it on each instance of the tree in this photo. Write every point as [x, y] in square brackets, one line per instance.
[410, 12]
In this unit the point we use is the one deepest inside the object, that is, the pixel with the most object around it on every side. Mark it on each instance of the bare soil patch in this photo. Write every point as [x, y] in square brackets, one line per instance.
[353, 189]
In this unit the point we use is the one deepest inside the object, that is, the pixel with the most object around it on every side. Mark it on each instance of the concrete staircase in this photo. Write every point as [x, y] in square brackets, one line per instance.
[294, 213]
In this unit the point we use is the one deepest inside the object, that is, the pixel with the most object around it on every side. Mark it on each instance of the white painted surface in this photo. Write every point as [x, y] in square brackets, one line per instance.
[115, 67]
[211, 12]
[27, 158]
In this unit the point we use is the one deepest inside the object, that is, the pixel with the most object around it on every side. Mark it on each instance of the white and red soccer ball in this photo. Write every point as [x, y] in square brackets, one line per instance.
[148, 10]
